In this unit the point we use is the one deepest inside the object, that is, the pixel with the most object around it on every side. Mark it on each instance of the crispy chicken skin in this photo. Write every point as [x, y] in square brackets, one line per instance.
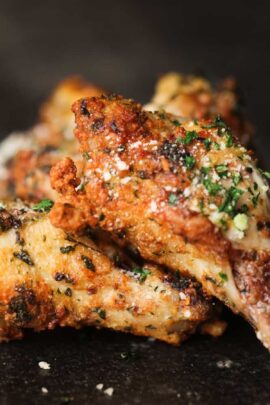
[52, 138]
[48, 279]
[27, 157]
[27, 176]
[194, 96]
[185, 193]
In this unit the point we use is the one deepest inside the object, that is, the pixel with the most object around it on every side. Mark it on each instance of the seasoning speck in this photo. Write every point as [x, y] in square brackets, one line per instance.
[44, 390]
[99, 387]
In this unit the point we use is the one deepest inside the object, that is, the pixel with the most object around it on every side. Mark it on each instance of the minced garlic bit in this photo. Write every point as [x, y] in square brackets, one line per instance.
[99, 387]
[241, 222]
[44, 365]
[44, 390]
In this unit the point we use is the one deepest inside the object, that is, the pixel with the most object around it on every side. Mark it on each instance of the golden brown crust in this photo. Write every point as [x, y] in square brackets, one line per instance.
[50, 140]
[49, 279]
[163, 183]
[194, 96]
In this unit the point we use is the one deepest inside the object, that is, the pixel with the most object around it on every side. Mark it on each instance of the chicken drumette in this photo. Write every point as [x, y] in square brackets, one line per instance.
[185, 193]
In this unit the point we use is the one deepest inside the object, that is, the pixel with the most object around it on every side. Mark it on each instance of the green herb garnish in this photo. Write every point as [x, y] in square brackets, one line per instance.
[222, 170]
[190, 136]
[101, 312]
[223, 276]
[142, 272]
[229, 140]
[231, 199]
[255, 200]
[212, 188]
[173, 199]
[67, 249]
[207, 143]
[216, 123]
[236, 178]
[85, 155]
[88, 263]
[24, 256]
[190, 162]
[43, 206]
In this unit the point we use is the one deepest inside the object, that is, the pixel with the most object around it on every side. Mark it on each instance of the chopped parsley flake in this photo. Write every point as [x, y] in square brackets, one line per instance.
[85, 155]
[67, 249]
[216, 123]
[190, 136]
[201, 205]
[24, 256]
[142, 273]
[255, 200]
[212, 188]
[173, 199]
[229, 140]
[207, 143]
[236, 178]
[190, 162]
[43, 206]
[88, 263]
[231, 199]
[176, 123]
[222, 170]
[266, 174]
[223, 276]
[101, 312]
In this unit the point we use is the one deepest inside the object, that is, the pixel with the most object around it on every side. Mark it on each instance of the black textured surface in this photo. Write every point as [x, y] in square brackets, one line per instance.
[153, 372]
[123, 46]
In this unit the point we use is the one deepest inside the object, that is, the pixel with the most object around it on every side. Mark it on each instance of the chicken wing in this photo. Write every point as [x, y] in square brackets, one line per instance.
[27, 175]
[195, 97]
[47, 279]
[26, 158]
[185, 193]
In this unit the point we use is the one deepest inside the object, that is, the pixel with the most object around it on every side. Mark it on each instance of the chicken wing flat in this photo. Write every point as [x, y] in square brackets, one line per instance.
[47, 279]
[26, 158]
[194, 96]
[185, 193]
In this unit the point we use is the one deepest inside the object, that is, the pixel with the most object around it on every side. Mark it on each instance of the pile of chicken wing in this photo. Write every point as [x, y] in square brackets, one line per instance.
[142, 219]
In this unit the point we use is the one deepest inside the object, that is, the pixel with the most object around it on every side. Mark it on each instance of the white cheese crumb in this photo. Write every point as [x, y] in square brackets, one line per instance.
[182, 295]
[135, 145]
[125, 180]
[44, 365]
[44, 390]
[153, 206]
[187, 192]
[99, 387]
[224, 363]
[109, 391]
[121, 165]
[107, 176]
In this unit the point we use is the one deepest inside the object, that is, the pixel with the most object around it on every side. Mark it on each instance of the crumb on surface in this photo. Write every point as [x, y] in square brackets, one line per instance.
[44, 390]
[99, 386]
[224, 363]
[44, 365]
[109, 391]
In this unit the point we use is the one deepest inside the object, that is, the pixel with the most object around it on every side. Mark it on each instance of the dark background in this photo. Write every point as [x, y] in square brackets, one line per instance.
[124, 46]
